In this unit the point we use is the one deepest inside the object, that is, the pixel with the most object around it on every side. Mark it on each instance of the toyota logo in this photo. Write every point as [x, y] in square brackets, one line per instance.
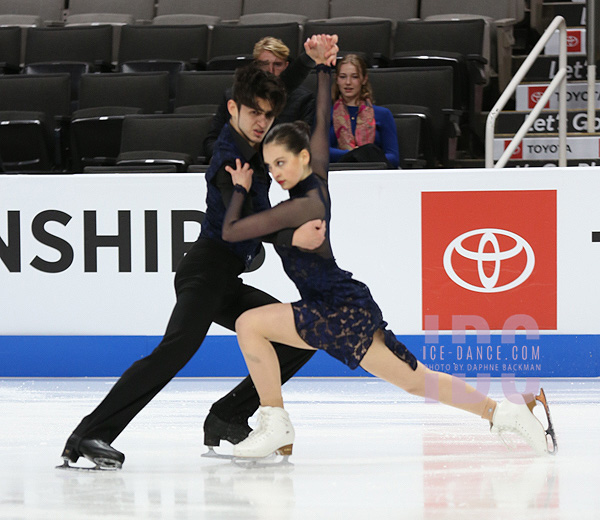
[572, 40]
[496, 257]
[536, 96]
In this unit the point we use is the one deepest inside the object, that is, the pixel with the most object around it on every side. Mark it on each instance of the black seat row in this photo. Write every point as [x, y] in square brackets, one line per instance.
[194, 45]
[40, 132]
[80, 50]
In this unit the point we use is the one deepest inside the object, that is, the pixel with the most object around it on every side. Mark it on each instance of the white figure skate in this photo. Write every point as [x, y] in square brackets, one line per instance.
[273, 435]
[516, 415]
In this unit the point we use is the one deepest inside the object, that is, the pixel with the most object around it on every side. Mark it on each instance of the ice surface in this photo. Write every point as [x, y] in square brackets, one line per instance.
[363, 450]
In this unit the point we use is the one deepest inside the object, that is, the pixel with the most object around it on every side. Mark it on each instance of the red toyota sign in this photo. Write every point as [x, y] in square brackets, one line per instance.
[518, 153]
[534, 94]
[490, 255]
[574, 40]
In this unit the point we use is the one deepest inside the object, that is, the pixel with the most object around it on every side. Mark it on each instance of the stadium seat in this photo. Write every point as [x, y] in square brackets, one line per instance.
[49, 11]
[272, 18]
[367, 36]
[33, 113]
[230, 40]
[311, 9]
[72, 50]
[96, 135]
[186, 19]
[430, 87]
[116, 21]
[147, 91]
[392, 10]
[169, 139]
[10, 49]
[141, 10]
[187, 44]
[105, 100]
[230, 10]
[500, 15]
[415, 136]
[202, 88]
[462, 44]
[170, 48]
[20, 20]
[91, 45]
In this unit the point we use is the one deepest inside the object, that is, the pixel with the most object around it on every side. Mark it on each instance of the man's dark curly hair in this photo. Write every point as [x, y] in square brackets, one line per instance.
[250, 83]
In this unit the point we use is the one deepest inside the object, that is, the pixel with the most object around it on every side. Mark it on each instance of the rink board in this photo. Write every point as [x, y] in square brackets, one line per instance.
[219, 356]
[86, 269]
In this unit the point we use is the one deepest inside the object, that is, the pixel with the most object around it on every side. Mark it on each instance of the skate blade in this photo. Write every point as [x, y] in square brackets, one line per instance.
[550, 435]
[98, 467]
[212, 454]
[270, 461]
[273, 459]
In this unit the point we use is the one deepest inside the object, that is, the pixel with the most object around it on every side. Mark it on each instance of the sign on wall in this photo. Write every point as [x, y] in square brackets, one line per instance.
[477, 271]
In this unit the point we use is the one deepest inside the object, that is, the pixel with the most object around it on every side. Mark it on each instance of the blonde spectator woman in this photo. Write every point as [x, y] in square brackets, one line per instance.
[360, 130]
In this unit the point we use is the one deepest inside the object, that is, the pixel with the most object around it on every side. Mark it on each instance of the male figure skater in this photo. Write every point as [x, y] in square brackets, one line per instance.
[208, 285]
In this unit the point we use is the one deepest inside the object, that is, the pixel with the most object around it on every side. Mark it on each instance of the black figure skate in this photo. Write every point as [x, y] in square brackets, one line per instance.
[550, 435]
[216, 430]
[104, 456]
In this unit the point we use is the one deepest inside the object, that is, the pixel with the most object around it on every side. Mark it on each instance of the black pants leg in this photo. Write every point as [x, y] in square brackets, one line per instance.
[137, 386]
[206, 275]
[242, 401]
[208, 289]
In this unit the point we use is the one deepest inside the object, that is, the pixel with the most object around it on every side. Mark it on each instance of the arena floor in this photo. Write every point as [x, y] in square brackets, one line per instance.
[363, 449]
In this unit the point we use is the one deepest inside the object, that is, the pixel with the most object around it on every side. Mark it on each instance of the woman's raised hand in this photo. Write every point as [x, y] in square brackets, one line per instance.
[322, 48]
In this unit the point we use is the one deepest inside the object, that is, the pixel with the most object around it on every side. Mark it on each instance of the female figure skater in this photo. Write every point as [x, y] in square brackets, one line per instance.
[336, 313]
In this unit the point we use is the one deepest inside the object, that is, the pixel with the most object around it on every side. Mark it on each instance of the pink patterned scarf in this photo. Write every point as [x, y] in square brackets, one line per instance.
[365, 125]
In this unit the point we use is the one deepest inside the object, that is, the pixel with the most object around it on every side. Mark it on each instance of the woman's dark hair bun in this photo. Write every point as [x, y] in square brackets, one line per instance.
[294, 136]
[303, 127]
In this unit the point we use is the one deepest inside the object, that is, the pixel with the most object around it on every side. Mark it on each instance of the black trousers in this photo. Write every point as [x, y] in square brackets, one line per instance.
[208, 289]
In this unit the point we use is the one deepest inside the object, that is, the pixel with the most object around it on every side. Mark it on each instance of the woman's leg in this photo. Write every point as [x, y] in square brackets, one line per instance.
[513, 415]
[242, 401]
[256, 329]
[447, 389]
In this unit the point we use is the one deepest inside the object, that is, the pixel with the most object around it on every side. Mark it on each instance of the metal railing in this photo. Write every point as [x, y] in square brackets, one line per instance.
[559, 82]
[590, 27]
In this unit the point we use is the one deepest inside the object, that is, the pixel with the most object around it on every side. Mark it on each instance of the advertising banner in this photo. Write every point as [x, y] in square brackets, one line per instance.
[576, 41]
[478, 272]
[540, 148]
[528, 94]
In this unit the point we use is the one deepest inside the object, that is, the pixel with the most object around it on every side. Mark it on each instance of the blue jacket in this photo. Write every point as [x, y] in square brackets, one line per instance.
[385, 137]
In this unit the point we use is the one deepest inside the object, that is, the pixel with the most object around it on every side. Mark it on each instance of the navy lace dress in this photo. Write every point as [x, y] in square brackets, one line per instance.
[336, 313]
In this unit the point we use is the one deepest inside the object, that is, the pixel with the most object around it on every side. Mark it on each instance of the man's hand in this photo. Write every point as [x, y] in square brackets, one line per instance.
[241, 175]
[322, 48]
[310, 235]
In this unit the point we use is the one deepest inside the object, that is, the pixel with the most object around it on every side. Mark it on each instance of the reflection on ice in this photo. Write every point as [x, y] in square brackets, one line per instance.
[363, 450]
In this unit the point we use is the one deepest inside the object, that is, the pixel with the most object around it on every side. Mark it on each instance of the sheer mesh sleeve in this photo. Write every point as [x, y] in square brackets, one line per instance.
[319, 141]
[289, 214]
[222, 180]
